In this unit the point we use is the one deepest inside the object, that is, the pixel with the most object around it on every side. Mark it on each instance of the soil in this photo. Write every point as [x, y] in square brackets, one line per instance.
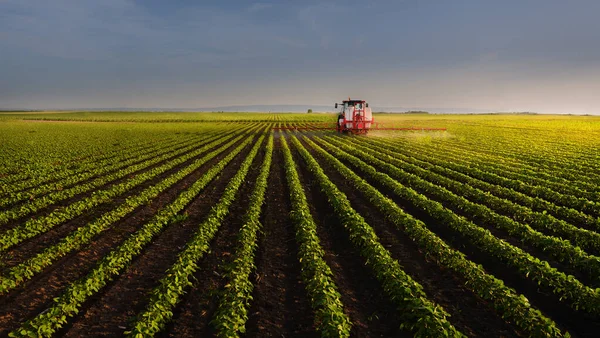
[33, 246]
[144, 273]
[192, 316]
[369, 310]
[280, 306]
[37, 294]
[576, 323]
[440, 285]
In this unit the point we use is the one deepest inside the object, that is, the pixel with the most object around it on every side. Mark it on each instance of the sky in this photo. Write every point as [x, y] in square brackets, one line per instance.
[525, 55]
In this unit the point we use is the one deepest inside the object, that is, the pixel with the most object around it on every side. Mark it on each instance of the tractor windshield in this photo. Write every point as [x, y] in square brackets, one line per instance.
[357, 105]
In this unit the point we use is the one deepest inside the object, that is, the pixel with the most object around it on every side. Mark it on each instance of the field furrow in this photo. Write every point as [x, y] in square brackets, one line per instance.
[271, 225]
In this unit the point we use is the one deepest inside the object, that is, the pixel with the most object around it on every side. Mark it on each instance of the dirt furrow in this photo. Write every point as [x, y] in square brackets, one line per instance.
[107, 314]
[578, 324]
[35, 295]
[66, 202]
[280, 306]
[371, 312]
[33, 246]
[441, 286]
[191, 318]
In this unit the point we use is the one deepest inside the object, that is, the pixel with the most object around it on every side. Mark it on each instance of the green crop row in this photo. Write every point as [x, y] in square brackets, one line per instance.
[544, 220]
[40, 203]
[330, 319]
[172, 286]
[232, 313]
[34, 151]
[511, 306]
[573, 183]
[558, 179]
[36, 204]
[37, 226]
[70, 178]
[548, 161]
[546, 191]
[567, 288]
[544, 148]
[462, 174]
[70, 166]
[418, 314]
[458, 199]
[111, 265]
[570, 184]
[83, 235]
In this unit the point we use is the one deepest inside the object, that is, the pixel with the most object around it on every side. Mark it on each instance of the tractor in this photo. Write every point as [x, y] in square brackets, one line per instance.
[355, 117]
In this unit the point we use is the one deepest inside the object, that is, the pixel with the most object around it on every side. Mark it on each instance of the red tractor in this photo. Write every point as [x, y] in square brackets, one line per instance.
[355, 117]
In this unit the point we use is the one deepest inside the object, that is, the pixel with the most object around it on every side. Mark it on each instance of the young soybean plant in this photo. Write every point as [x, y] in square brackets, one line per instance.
[177, 278]
[232, 313]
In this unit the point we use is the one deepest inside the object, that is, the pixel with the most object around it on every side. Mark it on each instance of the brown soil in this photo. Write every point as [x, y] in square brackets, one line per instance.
[36, 295]
[33, 246]
[191, 318]
[372, 313]
[280, 307]
[440, 285]
[176, 145]
[107, 314]
[576, 323]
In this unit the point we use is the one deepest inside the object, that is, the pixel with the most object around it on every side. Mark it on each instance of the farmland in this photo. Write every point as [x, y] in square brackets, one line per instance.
[200, 224]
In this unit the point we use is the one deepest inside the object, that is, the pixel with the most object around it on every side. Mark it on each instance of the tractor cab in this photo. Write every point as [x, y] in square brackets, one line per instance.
[355, 117]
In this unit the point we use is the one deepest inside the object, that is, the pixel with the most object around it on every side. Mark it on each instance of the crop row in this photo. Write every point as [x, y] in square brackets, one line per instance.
[330, 319]
[559, 168]
[567, 288]
[60, 195]
[71, 178]
[172, 286]
[460, 173]
[37, 226]
[548, 159]
[25, 179]
[533, 189]
[569, 183]
[53, 151]
[511, 306]
[111, 265]
[232, 313]
[83, 235]
[563, 181]
[416, 312]
[458, 199]
[79, 166]
[556, 179]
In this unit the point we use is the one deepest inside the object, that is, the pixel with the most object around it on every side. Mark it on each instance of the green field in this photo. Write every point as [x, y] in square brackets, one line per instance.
[196, 224]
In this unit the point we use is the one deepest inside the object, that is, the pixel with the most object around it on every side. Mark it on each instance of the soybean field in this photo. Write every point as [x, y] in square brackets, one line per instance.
[260, 224]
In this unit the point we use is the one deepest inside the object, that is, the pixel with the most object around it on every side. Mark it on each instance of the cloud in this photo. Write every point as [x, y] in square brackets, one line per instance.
[69, 29]
[388, 51]
[259, 6]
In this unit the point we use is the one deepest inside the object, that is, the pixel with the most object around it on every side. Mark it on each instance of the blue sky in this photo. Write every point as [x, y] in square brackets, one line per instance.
[503, 55]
